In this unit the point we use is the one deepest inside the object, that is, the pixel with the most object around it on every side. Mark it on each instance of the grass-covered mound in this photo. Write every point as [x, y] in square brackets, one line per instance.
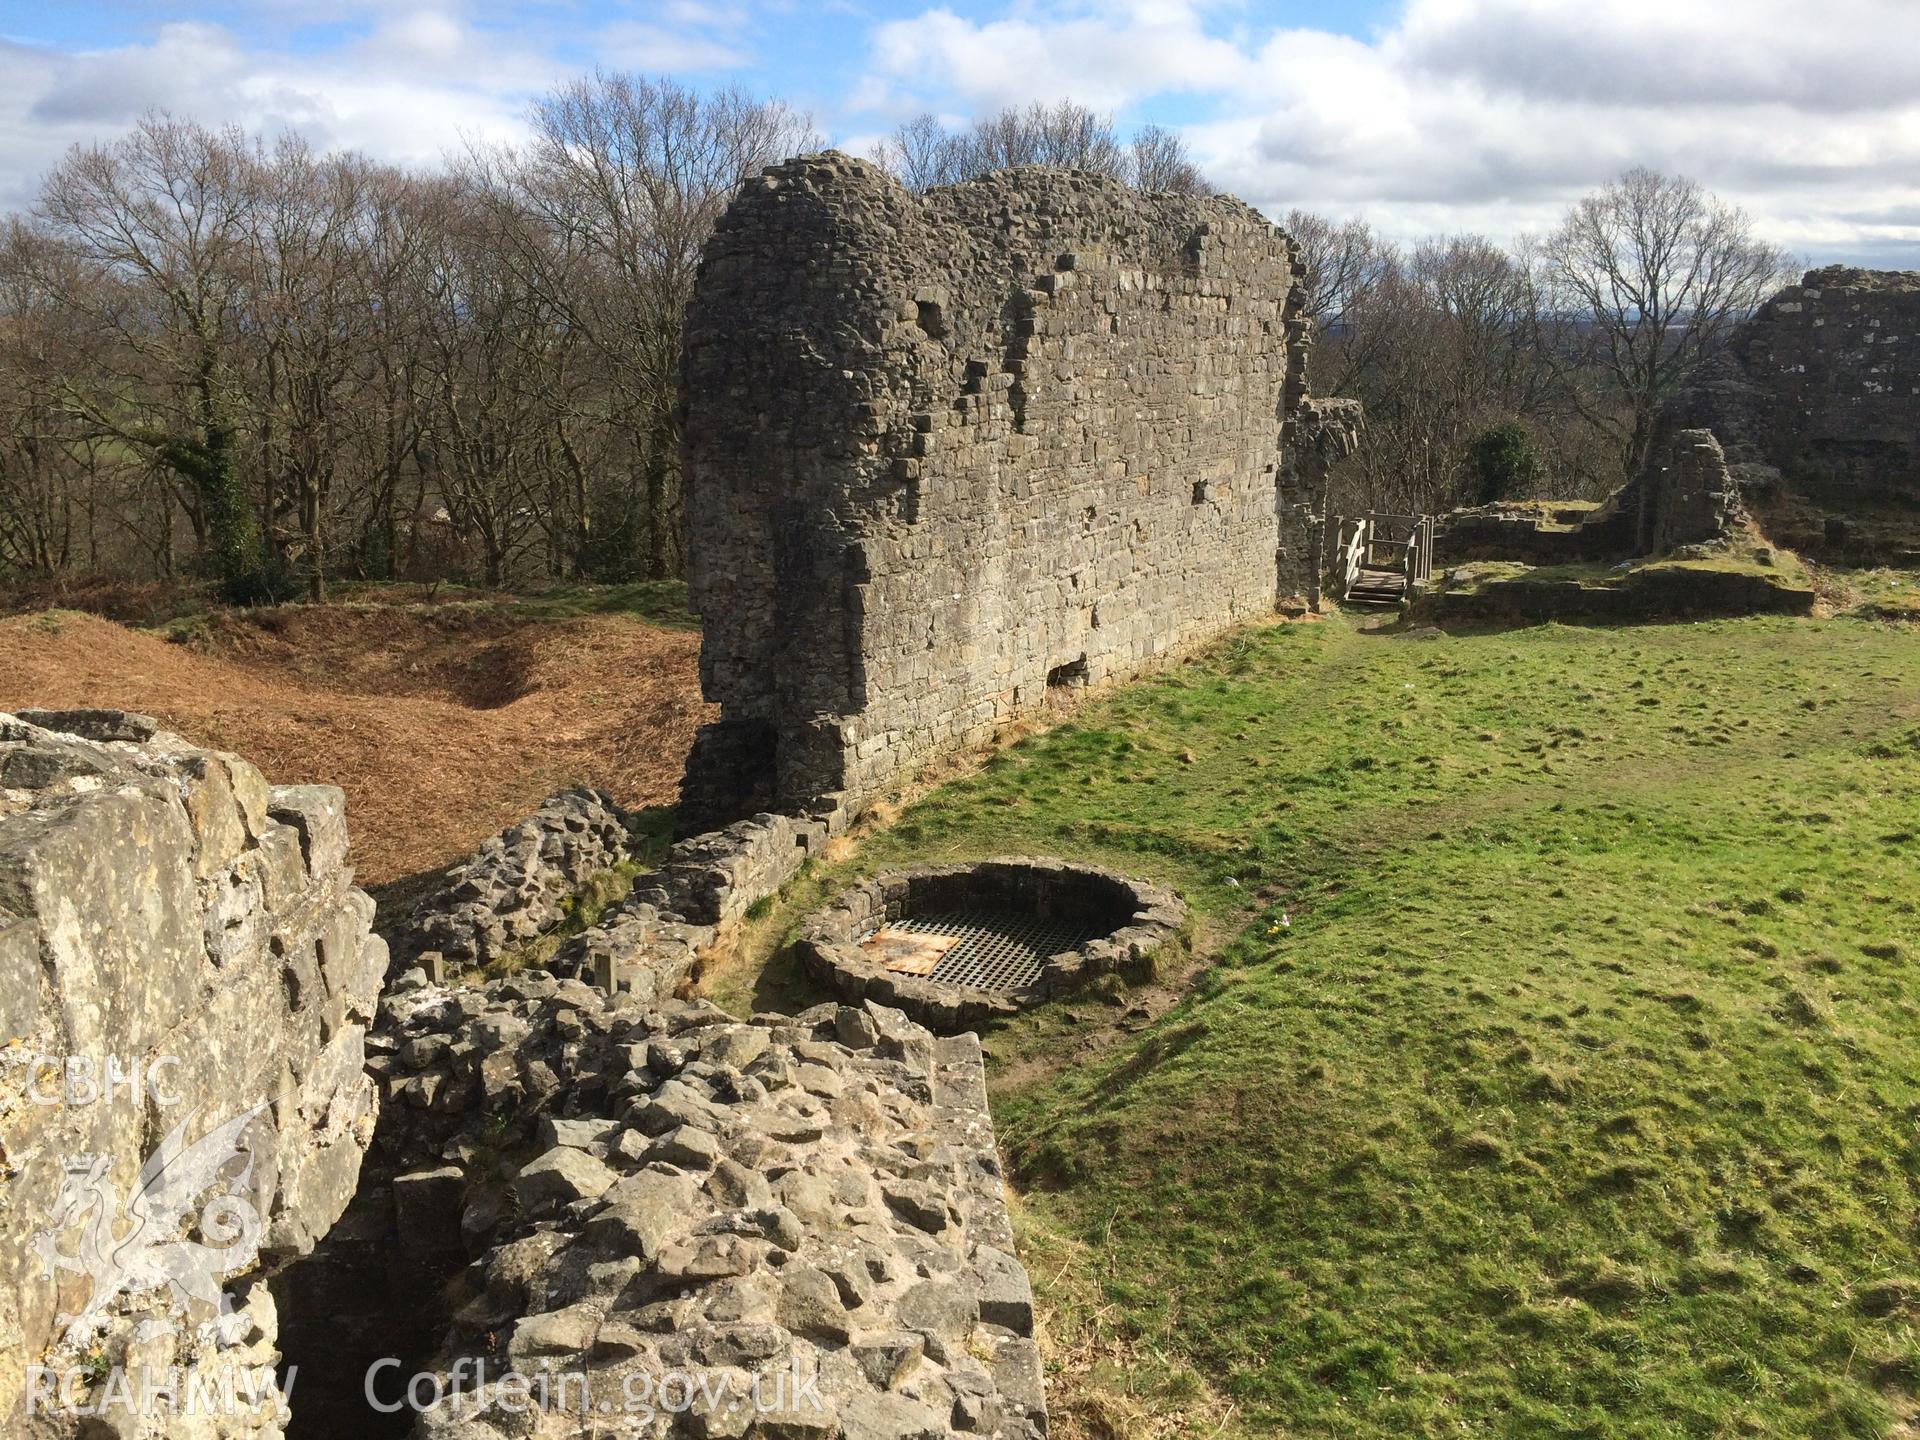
[1578, 1091]
[1875, 594]
[1701, 581]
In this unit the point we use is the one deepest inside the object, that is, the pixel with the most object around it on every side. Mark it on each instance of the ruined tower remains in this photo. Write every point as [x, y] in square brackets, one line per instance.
[945, 452]
[1816, 401]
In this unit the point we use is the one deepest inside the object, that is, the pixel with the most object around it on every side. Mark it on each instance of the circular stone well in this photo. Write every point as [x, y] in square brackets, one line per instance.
[957, 945]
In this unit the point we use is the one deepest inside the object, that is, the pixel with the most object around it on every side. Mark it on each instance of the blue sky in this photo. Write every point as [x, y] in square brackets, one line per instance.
[1422, 116]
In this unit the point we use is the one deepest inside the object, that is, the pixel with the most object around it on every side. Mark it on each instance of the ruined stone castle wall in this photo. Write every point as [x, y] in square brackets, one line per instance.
[1812, 406]
[1819, 391]
[180, 943]
[942, 452]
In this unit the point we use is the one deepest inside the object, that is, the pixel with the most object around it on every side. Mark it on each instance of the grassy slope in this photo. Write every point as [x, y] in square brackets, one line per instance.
[1875, 594]
[1579, 1098]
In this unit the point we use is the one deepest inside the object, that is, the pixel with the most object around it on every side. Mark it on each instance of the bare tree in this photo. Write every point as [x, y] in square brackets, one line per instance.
[310, 314]
[629, 175]
[1442, 342]
[1344, 260]
[382, 491]
[920, 154]
[1158, 160]
[1065, 134]
[1346, 263]
[1656, 271]
[165, 219]
[308, 357]
[37, 491]
[483, 417]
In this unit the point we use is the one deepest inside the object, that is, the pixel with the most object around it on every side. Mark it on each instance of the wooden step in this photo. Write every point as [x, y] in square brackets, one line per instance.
[1378, 587]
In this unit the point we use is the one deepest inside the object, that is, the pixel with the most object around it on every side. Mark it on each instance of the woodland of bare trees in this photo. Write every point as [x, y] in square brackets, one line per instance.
[272, 367]
[276, 366]
[1564, 344]
[923, 153]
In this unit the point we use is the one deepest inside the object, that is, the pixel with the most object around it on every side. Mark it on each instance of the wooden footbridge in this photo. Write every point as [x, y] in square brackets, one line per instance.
[1382, 559]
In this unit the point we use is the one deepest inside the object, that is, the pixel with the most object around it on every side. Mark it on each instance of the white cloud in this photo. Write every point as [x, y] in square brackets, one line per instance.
[415, 83]
[1101, 58]
[1841, 56]
[412, 91]
[1483, 114]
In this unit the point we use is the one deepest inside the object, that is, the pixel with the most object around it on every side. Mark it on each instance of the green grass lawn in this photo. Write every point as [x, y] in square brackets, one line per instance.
[1581, 1096]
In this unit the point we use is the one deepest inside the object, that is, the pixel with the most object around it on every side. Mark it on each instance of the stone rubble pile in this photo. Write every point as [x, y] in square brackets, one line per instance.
[636, 948]
[513, 889]
[658, 1190]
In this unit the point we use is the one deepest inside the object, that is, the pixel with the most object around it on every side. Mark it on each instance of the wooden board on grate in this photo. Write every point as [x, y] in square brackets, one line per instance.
[906, 953]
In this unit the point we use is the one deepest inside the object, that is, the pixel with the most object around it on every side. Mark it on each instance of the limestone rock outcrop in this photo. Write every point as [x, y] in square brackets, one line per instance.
[187, 973]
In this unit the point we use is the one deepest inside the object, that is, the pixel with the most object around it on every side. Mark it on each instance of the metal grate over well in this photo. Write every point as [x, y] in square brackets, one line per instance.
[997, 950]
[959, 946]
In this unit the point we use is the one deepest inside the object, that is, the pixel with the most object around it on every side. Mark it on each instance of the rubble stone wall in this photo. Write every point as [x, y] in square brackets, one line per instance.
[1531, 534]
[714, 879]
[945, 452]
[1698, 501]
[514, 888]
[166, 915]
[662, 1190]
[1819, 390]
